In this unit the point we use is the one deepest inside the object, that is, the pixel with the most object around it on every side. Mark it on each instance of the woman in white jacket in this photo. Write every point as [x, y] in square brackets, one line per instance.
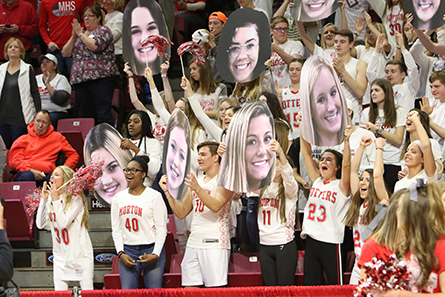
[19, 95]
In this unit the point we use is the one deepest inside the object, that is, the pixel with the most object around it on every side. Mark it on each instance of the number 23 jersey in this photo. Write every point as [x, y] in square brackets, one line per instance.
[324, 212]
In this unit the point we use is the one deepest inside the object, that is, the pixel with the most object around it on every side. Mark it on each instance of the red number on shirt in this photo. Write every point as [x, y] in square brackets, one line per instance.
[52, 216]
[296, 125]
[356, 238]
[266, 213]
[199, 206]
[395, 27]
[65, 236]
[312, 209]
[133, 225]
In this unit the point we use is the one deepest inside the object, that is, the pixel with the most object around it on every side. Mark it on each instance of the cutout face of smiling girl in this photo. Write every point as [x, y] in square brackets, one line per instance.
[326, 107]
[113, 178]
[244, 53]
[317, 9]
[426, 9]
[176, 160]
[258, 157]
[142, 26]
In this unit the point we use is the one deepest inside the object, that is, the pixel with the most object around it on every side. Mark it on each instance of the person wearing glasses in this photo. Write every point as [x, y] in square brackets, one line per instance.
[283, 51]
[239, 56]
[94, 67]
[139, 228]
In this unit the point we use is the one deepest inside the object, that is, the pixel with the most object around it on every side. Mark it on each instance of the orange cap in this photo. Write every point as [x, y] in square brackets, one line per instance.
[218, 15]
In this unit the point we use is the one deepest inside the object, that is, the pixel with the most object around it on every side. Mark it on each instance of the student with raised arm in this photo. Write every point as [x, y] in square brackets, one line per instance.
[361, 211]
[206, 259]
[327, 49]
[324, 212]
[419, 156]
[351, 72]
[404, 77]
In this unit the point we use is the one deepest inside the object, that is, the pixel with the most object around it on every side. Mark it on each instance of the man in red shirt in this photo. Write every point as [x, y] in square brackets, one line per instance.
[18, 19]
[34, 155]
[56, 17]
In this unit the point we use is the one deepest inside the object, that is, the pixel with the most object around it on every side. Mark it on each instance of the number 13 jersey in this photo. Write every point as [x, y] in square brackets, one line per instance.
[324, 212]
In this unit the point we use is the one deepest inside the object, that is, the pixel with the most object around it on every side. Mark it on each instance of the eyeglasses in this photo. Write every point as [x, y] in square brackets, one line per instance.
[279, 29]
[89, 16]
[132, 170]
[235, 50]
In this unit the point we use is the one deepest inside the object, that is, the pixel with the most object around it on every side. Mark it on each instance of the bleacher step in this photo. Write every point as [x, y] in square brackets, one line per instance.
[42, 278]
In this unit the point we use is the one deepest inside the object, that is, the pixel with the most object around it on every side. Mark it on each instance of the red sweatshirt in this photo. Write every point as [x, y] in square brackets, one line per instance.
[30, 151]
[22, 14]
[58, 17]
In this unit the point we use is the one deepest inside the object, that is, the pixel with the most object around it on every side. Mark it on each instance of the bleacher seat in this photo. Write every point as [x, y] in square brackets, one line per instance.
[173, 278]
[82, 125]
[14, 194]
[245, 270]
[75, 131]
[171, 225]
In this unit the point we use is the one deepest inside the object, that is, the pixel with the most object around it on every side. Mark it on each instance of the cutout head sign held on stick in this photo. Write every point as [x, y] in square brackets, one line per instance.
[248, 163]
[176, 154]
[313, 10]
[427, 15]
[143, 18]
[244, 46]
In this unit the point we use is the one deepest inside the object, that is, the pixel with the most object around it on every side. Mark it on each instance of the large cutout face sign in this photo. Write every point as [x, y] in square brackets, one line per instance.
[323, 105]
[313, 10]
[427, 15]
[176, 154]
[248, 163]
[244, 46]
[143, 18]
[103, 142]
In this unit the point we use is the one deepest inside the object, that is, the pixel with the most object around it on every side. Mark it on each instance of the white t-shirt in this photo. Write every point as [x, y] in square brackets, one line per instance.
[353, 10]
[438, 117]
[72, 248]
[209, 230]
[358, 231]
[406, 182]
[152, 148]
[324, 212]
[291, 106]
[114, 22]
[329, 54]
[138, 220]
[351, 68]
[279, 66]
[272, 230]
[210, 102]
[391, 153]
[59, 83]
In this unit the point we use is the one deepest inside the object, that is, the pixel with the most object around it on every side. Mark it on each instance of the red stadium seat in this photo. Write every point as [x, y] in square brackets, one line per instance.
[14, 194]
[76, 125]
[173, 278]
[244, 270]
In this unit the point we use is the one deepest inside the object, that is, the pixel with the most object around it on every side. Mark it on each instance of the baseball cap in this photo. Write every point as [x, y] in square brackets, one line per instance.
[218, 15]
[50, 57]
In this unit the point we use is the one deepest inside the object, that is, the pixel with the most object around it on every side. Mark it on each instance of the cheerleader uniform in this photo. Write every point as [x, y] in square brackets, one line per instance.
[324, 231]
[278, 250]
[72, 248]
[139, 226]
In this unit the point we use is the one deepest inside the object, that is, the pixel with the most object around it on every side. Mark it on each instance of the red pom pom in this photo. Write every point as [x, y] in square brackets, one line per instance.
[383, 275]
[86, 177]
[195, 49]
[33, 200]
[159, 42]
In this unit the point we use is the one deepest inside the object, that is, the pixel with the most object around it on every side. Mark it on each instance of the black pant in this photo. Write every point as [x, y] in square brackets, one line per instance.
[322, 257]
[390, 176]
[278, 264]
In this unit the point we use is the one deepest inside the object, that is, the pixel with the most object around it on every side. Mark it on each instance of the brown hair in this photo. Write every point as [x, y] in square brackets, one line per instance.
[206, 82]
[97, 11]
[389, 106]
[278, 19]
[438, 75]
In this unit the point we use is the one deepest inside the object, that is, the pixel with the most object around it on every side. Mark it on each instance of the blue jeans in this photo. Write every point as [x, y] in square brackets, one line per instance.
[10, 133]
[63, 64]
[252, 223]
[56, 116]
[153, 271]
[94, 98]
[29, 176]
